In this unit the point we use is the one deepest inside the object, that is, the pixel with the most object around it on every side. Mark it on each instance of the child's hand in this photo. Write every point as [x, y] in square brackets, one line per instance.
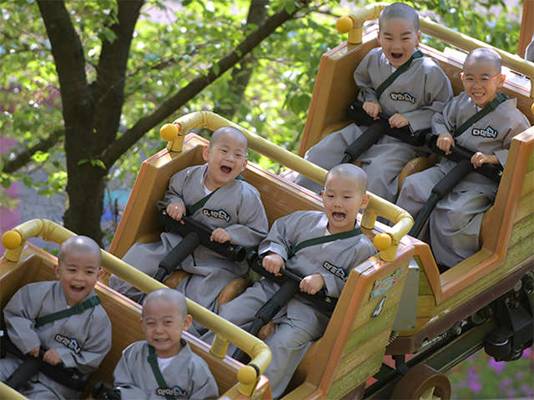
[372, 109]
[479, 159]
[445, 142]
[34, 352]
[51, 357]
[176, 210]
[312, 284]
[398, 121]
[219, 235]
[273, 263]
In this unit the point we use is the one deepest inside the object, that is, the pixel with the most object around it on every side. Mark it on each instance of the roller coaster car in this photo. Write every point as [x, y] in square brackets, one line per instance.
[441, 310]
[339, 365]
[35, 264]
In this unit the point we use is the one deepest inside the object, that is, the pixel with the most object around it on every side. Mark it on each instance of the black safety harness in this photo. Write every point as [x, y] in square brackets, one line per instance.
[69, 377]
[289, 284]
[463, 167]
[380, 127]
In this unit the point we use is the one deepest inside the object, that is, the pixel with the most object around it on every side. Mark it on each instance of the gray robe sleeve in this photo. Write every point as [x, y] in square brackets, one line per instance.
[529, 52]
[174, 193]
[123, 378]
[19, 315]
[518, 125]
[438, 92]
[252, 223]
[94, 349]
[204, 384]
[277, 240]
[363, 80]
[444, 121]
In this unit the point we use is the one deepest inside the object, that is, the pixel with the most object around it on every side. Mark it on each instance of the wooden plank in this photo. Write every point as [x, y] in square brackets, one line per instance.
[355, 359]
[368, 332]
[528, 185]
[355, 377]
[426, 306]
[525, 207]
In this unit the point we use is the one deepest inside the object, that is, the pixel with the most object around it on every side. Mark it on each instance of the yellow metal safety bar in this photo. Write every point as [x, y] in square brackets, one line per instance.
[353, 25]
[7, 392]
[386, 243]
[260, 354]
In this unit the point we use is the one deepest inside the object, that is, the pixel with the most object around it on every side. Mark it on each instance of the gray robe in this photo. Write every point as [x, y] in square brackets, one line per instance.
[529, 52]
[236, 207]
[81, 340]
[454, 225]
[417, 93]
[298, 323]
[188, 375]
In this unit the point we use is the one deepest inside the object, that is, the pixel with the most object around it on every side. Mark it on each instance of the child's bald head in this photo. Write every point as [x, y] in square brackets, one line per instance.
[399, 11]
[231, 133]
[343, 196]
[481, 76]
[170, 296]
[80, 244]
[350, 173]
[484, 56]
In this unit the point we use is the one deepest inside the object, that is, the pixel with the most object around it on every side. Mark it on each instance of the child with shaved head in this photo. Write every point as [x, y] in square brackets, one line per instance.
[397, 82]
[163, 366]
[326, 264]
[456, 220]
[63, 320]
[210, 194]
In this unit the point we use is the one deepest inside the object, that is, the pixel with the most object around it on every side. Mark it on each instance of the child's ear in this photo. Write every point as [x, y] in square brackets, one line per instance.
[418, 36]
[188, 320]
[365, 201]
[501, 78]
[205, 153]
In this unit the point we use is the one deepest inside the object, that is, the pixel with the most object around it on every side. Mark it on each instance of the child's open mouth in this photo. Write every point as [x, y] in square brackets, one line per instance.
[397, 56]
[226, 169]
[338, 216]
[77, 288]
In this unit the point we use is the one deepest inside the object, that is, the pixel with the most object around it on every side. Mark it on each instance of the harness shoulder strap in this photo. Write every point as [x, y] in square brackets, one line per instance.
[79, 308]
[491, 106]
[199, 204]
[403, 68]
[323, 239]
[153, 362]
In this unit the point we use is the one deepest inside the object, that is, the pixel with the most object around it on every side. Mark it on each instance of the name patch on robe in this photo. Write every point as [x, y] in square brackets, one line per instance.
[70, 343]
[219, 214]
[395, 96]
[334, 269]
[489, 132]
[176, 392]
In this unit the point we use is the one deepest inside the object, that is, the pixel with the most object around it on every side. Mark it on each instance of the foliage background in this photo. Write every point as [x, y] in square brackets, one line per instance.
[176, 40]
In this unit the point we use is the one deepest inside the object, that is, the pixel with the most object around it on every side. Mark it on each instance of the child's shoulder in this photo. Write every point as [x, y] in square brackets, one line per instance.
[135, 348]
[432, 67]
[38, 290]
[305, 215]
[246, 188]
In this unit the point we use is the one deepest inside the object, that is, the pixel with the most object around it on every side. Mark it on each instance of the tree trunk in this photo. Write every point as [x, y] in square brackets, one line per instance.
[85, 189]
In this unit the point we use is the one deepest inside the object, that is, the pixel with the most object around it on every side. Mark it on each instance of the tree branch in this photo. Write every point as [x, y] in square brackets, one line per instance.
[24, 156]
[143, 125]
